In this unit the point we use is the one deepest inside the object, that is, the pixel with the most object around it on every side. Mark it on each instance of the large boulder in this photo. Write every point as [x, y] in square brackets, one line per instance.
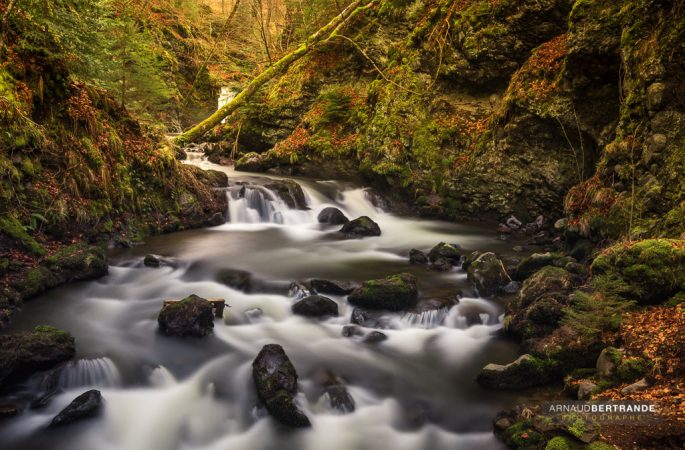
[450, 252]
[394, 293]
[236, 279]
[23, 354]
[537, 310]
[193, 316]
[275, 379]
[488, 274]
[332, 216]
[527, 371]
[315, 306]
[360, 227]
[333, 287]
[85, 406]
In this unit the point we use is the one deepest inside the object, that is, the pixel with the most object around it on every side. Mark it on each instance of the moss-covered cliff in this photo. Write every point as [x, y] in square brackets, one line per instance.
[488, 108]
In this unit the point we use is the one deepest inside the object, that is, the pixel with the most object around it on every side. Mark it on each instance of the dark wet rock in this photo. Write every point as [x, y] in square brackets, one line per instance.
[417, 257]
[442, 265]
[527, 371]
[216, 219]
[87, 405]
[539, 306]
[152, 260]
[236, 279]
[451, 252]
[44, 400]
[193, 316]
[352, 330]
[488, 274]
[375, 337]
[290, 192]
[332, 216]
[368, 319]
[8, 410]
[336, 392]
[275, 379]
[298, 290]
[315, 306]
[433, 304]
[394, 293]
[360, 227]
[333, 287]
[23, 354]
[537, 261]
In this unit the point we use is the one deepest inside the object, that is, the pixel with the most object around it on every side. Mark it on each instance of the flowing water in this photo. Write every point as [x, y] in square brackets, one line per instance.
[416, 390]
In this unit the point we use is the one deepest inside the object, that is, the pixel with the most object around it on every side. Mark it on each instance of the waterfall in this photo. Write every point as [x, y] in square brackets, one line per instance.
[426, 319]
[258, 204]
[97, 372]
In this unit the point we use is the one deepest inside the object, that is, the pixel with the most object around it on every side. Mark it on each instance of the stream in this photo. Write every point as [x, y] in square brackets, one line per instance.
[415, 390]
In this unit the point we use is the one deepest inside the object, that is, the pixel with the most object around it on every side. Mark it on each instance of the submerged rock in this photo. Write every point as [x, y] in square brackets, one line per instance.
[488, 274]
[275, 379]
[193, 316]
[375, 337]
[236, 279]
[315, 306]
[394, 293]
[151, 260]
[417, 257]
[333, 287]
[336, 392]
[527, 371]
[23, 354]
[360, 227]
[332, 216]
[85, 406]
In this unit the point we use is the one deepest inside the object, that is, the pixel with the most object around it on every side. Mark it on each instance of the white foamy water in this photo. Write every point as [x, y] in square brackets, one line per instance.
[414, 390]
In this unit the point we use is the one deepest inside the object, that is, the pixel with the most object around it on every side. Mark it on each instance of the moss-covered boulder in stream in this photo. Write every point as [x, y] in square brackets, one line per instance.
[394, 293]
[193, 316]
[488, 274]
[275, 379]
[360, 227]
[23, 354]
[650, 271]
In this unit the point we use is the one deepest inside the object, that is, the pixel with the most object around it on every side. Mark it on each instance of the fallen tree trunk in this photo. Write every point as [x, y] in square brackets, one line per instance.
[324, 34]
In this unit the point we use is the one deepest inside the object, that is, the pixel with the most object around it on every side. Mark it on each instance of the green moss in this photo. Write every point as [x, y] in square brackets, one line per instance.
[521, 435]
[599, 445]
[562, 443]
[632, 369]
[15, 230]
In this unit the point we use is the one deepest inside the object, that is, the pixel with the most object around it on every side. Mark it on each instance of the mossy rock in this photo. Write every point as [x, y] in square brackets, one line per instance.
[24, 354]
[193, 316]
[488, 274]
[651, 271]
[449, 252]
[537, 261]
[360, 227]
[527, 371]
[394, 293]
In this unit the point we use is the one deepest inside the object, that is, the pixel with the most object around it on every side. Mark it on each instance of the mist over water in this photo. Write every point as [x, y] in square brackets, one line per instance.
[415, 390]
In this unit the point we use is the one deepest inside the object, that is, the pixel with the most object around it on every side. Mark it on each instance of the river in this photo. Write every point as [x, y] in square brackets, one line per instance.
[416, 390]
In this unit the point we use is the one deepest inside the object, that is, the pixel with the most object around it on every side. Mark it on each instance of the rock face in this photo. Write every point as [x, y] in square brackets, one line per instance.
[275, 379]
[333, 287]
[191, 317]
[527, 371]
[488, 274]
[315, 306]
[394, 293]
[538, 308]
[236, 279]
[24, 354]
[85, 406]
[360, 227]
[332, 216]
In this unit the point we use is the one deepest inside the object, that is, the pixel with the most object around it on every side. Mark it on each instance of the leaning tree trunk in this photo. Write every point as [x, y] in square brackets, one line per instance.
[324, 34]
